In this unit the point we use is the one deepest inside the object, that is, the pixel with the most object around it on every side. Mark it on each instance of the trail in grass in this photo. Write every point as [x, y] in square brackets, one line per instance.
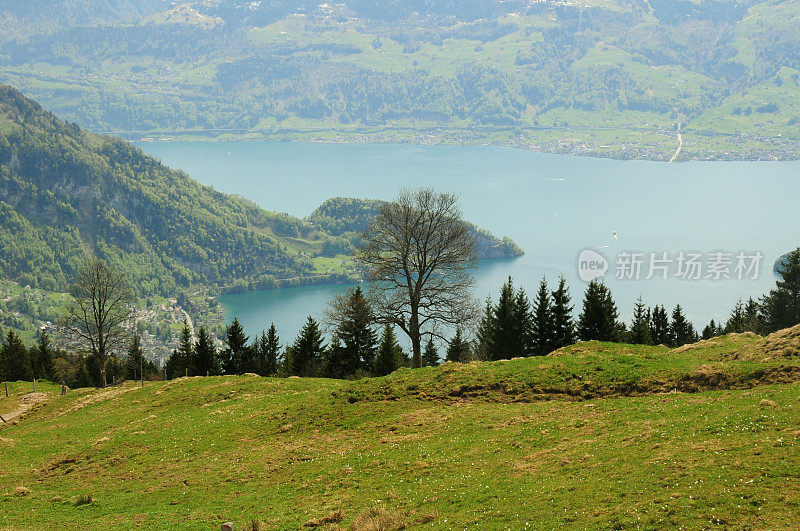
[26, 403]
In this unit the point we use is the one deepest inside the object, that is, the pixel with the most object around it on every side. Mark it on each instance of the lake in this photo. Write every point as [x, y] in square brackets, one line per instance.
[553, 206]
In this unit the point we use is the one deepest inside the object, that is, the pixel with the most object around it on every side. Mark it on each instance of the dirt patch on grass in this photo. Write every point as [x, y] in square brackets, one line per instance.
[333, 517]
[99, 395]
[26, 403]
[380, 519]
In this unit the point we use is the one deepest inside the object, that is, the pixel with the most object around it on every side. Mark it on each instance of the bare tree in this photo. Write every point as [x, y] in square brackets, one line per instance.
[417, 253]
[101, 305]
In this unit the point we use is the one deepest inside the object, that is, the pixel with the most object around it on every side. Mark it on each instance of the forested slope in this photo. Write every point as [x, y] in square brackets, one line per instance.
[65, 192]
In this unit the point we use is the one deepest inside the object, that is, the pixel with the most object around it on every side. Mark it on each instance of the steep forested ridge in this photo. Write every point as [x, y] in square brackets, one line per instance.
[65, 192]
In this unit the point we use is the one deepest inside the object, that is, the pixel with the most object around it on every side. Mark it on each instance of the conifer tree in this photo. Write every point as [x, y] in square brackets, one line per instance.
[543, 321]
[780, 308]
[711, 330]
[205, 360]
[270, 348]
[353, 321]
[659, 326]
[598, 320]
[184, 353]
[134, 358]
[640, 326]
[681, 330]
[563, 324]
[485, 332]
[736, 322]
[172, 368]
[526, 339]
[387, 360]
[752, 317]
[42, 358]
[15, 363]
[430, 356]
[305, 355]
[458, 349]
[236, 357]
[331, 363]
[507, 330]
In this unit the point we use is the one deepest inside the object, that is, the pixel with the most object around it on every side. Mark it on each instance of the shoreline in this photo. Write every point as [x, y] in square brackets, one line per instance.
[661, 152]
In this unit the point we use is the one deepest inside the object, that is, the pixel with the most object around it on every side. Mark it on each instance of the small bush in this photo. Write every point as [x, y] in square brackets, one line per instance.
[379, 519]
[83, 499]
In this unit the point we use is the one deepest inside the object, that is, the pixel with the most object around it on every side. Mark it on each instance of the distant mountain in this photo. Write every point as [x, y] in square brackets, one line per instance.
[65, 192]
[23, 17]
[616, 78]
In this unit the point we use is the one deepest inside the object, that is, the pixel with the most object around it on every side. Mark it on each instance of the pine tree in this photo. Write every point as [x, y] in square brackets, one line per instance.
[458, 350]
[563, 324]
[356, 332]
[711, 330]
[526, 340]
[736, 322]
[659, 326]
[205, 360]
[331, 364]
[389, 352]
[42, 358]
[236, 358]
[134, 358]
[179, 361]
[270, 349]
[430, 356]
[305, 355]
[681, 330]
[507, 330]
[543, 323]
[172, 367]
[353, 320]
[780, 308]
[598, 321]
[752, 318]
[640, 326]
[15, 363]
[485, 332]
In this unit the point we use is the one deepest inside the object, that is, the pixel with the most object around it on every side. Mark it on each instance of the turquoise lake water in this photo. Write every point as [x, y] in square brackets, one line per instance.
[553, 206]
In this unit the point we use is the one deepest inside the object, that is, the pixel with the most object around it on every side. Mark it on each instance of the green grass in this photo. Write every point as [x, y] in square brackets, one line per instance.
[195, 452]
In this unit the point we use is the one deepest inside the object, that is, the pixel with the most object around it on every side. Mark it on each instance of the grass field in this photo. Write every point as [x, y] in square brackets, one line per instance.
[504, 445]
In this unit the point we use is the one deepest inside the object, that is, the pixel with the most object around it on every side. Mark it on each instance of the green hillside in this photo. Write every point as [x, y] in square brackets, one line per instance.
[511, 444]
[614, 77]
[65, 192]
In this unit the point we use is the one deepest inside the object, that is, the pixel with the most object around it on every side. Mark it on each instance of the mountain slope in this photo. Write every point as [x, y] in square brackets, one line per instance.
[618, 77]
[64, 191]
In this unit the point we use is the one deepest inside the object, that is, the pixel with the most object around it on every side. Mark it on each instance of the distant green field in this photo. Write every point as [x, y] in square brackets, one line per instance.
[461, 446]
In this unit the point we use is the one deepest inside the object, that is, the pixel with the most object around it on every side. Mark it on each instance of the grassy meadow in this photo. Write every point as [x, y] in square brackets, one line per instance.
[595, 435]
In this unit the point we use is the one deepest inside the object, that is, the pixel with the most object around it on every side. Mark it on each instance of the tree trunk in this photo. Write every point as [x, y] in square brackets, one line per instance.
[416, 345]
[416, 340]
